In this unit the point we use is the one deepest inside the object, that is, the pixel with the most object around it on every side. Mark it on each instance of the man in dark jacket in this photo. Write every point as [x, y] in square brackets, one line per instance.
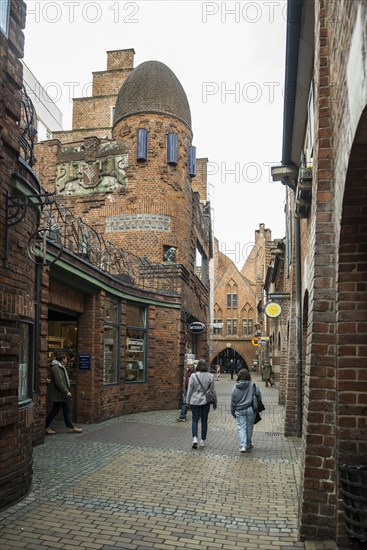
[59, 394]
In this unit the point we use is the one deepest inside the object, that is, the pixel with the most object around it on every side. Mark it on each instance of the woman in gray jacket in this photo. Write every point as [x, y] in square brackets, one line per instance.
[199, 383]
[241, 408]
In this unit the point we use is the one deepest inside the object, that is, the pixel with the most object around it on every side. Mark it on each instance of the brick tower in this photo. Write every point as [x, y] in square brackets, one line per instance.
[152, 116]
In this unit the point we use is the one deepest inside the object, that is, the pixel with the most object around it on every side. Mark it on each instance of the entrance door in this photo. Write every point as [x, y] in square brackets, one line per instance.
[63, 337]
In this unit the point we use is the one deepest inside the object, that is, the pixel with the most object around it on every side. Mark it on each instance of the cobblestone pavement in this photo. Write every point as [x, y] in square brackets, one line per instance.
[135, 483]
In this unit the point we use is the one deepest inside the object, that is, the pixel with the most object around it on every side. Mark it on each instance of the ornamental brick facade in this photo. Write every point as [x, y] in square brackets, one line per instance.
[101, 263]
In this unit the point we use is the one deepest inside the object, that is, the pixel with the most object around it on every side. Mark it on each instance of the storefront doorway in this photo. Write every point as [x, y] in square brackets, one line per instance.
[63, 337]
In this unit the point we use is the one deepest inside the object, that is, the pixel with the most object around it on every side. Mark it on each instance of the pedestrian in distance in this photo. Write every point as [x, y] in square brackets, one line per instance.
[231, 368]
[268, 374]
[189, 370]
[199, 383]
[241, 408]
[217, 372]
[59, 394]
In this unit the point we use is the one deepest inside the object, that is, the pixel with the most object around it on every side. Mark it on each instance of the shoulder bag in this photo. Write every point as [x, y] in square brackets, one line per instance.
[257, 404]
[209, 394]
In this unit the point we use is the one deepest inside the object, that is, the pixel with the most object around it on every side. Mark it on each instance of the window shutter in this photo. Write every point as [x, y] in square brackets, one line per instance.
[192, 161]
[142, 145]
[172, 146]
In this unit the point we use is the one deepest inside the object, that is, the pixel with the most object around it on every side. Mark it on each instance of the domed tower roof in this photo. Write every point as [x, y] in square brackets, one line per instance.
[152, 88]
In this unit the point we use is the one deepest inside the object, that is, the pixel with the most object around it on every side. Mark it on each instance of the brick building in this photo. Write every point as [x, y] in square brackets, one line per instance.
[324, 166]
[19, 215]
[109, 257]
[122, 179]
[238, 305]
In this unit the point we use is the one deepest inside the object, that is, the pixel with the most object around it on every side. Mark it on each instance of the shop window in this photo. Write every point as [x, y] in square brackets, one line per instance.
[172, 147]
[142, 144]
[25, 361]
[111, 342]
[135, 343]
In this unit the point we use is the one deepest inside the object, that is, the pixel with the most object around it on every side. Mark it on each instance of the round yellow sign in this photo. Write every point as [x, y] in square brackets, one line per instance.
[273, 310]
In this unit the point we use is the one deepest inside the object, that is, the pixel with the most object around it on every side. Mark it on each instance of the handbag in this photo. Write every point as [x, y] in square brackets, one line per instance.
[257, 418]
[257, 404]
[209, 394]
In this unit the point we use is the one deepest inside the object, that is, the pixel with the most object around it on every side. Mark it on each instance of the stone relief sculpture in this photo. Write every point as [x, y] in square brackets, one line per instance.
[170, 255]
[104, 175]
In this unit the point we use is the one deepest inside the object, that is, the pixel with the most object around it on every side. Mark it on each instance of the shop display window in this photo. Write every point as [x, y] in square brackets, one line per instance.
[25, 361]
[135, 343]
[111, 342]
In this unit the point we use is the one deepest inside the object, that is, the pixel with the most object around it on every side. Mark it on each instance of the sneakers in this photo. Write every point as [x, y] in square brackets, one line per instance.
[49, 431]
[250, 446]
[242, 449]
[195, 443]
[202, 443]
[76, 430]
[179, 419]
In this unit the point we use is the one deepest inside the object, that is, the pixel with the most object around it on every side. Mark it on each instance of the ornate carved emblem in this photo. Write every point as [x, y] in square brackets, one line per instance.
[105, 175]
[91, 176]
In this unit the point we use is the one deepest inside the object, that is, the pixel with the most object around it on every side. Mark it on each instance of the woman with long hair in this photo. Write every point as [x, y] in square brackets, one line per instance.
[199, 383]
[241, 408]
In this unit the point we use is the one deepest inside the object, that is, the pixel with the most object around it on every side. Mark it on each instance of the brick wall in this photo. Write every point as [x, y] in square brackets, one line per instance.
[17, 277]
[334, 244]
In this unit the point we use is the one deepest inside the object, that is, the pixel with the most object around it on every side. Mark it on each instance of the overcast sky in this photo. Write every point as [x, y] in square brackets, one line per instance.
[229, 58]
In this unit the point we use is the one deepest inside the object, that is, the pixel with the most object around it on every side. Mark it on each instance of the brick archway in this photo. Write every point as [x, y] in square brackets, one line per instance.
[352, 306]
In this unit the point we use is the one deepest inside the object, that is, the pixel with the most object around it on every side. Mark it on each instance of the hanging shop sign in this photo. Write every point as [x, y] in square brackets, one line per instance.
[255, 342]
[196, 327]
[273, 310]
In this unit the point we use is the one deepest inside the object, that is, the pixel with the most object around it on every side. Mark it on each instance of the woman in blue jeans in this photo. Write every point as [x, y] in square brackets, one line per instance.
[241, 408]
[199, 383]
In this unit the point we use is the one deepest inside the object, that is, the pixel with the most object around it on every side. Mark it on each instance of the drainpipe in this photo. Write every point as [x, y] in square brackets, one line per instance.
[37, 322]
[287, 173]
[297, 238]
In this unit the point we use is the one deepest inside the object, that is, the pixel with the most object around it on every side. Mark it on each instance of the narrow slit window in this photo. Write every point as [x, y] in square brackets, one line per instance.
[142, 145]
[172, 148]
[192, 161]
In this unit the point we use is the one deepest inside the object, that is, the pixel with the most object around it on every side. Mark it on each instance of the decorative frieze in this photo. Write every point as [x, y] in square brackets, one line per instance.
[138, 222]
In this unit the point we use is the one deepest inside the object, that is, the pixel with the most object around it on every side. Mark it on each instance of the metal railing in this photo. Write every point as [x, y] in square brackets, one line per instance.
[71, 233]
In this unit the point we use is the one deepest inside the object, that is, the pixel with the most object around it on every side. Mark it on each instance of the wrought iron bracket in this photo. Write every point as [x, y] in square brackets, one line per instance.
[16, 207]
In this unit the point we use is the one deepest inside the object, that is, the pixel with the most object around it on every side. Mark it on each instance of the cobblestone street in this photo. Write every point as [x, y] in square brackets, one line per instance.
[135, 483]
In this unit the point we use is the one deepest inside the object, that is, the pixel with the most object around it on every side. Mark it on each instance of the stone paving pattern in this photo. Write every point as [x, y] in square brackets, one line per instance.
[135, 483]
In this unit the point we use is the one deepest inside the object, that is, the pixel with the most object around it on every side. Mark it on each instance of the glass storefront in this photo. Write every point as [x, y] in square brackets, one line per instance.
[135, 343]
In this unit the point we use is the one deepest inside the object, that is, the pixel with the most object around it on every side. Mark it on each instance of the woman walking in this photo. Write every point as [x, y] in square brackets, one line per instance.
[241, 408]
[199, 383]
